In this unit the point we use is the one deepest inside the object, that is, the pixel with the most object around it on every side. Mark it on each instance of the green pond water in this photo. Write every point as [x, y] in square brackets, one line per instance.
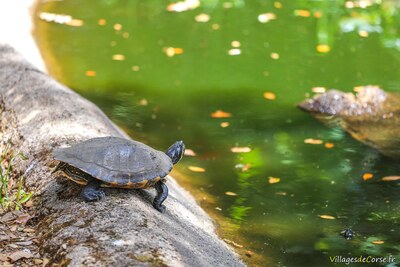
[162, 75]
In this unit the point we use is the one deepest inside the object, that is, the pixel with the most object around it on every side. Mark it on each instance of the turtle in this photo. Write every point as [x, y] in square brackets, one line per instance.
[117, 162]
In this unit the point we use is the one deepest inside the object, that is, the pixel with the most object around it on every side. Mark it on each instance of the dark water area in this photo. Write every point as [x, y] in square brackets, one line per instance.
[225, 77]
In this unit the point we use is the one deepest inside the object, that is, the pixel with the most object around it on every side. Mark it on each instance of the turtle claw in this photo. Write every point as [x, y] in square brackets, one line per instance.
[160, 208]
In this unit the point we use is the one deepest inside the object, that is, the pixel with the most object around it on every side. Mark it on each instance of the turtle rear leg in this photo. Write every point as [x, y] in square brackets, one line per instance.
[162, 194]
[92, 191]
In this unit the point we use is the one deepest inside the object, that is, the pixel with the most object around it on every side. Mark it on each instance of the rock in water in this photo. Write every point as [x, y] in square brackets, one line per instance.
[371, 116]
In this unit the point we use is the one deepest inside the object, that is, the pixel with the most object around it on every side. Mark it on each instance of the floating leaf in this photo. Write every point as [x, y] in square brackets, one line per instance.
[183, 5]
[274, 55]
[221, 114]
[269, 96]
[196, 169]
[224, 124]
[189, 152]
[229, 193]
[329, 145]
[367, 176]
[102, 22]
[273, 180]
[327, 217]
[90, 73]
[240, 149]
[313, 141]
[278, 4]
[363, 33]
[318, 89]
[118, 57]
[202, 18]
[172, 51]
[234, 52]
[74, 22]
[323, 48]
[378, 242]
[266, 17]
[390, 178]
[117, 27]
[233, 243]
[302, 13]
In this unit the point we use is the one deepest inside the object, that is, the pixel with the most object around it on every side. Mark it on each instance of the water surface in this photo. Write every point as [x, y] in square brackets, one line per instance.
[225, 76]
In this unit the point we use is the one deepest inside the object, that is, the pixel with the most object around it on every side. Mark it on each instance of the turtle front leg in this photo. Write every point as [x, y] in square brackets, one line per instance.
[92, 191]
[162, 194]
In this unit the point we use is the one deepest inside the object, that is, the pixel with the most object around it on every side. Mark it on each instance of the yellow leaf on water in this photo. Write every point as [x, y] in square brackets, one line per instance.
[224, 124]
[378, 242]
[302, 13]
[118, 57]
[202, 18]
[367, 176]
[318, 89]
[274, 55]
[390, 178]
[196, 169]
[323, 48]
[273, 180]
[228, 193]
[102, 22]
[238, 149]
[221, 114]
[329, 145]
[313, 141]
[90, 73]
[269, 96]
[327, 217]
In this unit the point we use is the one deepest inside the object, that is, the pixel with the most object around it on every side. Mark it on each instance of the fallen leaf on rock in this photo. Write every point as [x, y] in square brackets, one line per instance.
[29, 230]
[19, 255]
[3, 257]
[23, 219]
[390, 178]
[273, 180]
[196, 169]
[228, 193]
[221, 114]
[9, 216]
[24, 243]
[367, 176]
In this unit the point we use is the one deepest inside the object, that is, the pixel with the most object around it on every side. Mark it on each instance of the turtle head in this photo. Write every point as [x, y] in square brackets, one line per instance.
[176, 151]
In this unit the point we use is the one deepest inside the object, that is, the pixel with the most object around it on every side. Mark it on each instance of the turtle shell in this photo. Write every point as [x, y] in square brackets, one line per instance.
[118, 162]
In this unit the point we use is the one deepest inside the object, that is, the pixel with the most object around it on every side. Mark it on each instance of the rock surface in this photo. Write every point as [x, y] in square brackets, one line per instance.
[37, 115]
[372, 116]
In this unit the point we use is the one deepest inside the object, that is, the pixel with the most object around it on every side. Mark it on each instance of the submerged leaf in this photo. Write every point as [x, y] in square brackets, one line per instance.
[378, 242]
[196, 169]
[313, 141]
[390, 178]
[229, 193]
[327, 217]
[367, 176]
[238, 149]
[273, 180]
[221, 114]
[269, 96]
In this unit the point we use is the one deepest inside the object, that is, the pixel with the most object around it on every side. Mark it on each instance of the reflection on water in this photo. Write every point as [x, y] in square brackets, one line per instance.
[225, 77]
